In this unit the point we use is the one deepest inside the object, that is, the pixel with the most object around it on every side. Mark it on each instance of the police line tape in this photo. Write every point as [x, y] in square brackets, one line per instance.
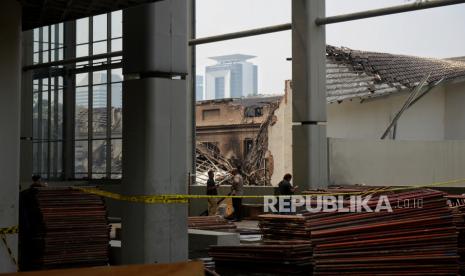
[181, 199]
[177, 198]
[9, 230]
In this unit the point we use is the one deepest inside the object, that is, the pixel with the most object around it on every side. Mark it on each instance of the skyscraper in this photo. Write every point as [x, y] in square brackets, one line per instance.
[232, 77]
[199, 88]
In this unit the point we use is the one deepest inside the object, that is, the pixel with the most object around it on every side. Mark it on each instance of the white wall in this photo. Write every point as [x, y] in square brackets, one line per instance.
[455, 111]
[369, 120]
[388, 162]
[280, 139]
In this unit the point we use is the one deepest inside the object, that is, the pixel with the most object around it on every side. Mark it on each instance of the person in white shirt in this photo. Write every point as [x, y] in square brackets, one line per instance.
[237, 189]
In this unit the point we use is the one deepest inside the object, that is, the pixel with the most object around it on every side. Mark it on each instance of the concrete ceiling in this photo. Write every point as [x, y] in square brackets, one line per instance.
[38, 13]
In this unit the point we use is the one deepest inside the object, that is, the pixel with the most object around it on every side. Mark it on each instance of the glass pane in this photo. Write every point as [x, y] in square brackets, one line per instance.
[59, 159]
[99, 77]
[82, 79]
[116, 158]
[81, 157]
[60, 114]
[99, 48]
[53, 159]
[99, 158]
[60, 54]
[60, 34]
[116, 24]
[36, 58]
[82, 50]
[99, 111]
[45, 56]
[82, 113]
[82, 30]
[44, 119]
[44, 160]
[35, 158]
[45, 39]
[35, 116]
[52, 37]
[100, 27]
[116, 45]
[116, 110]
[53, 126]
[117, 75]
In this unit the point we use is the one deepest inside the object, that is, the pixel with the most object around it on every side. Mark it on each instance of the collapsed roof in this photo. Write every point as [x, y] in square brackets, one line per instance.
[362, 74]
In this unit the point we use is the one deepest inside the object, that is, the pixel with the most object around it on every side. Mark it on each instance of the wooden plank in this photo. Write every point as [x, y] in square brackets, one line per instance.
[176, 269]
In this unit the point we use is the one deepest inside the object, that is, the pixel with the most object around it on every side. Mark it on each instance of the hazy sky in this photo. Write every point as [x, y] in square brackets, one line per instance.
[438, 32]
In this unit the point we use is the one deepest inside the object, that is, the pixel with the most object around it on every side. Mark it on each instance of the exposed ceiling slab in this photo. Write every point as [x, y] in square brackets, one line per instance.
[38, 13]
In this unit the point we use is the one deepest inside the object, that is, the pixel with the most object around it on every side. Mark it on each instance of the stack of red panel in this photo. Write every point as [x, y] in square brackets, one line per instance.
[210, 223]
[69, 229]
[272, 258]
[457, 204]
[419, 237]
[284, 227]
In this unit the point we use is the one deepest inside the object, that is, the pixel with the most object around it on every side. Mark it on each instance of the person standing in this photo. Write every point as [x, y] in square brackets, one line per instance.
[285, 187]
[237, 189]
[212, 189]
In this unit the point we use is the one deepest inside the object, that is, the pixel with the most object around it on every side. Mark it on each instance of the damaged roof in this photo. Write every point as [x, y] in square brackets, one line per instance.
[251, 101]
[362, 74]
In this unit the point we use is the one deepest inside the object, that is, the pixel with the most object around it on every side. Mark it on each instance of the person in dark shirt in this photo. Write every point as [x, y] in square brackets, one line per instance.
[285, 187]
[212, 189]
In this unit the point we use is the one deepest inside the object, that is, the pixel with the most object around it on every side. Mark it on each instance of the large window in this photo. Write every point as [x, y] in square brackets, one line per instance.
[98, 98]
[93, 87]
[48, 103]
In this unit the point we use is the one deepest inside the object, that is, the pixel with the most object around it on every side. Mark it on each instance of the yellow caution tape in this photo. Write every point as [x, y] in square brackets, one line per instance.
[8, 249]
[175, 198]
[9, 230]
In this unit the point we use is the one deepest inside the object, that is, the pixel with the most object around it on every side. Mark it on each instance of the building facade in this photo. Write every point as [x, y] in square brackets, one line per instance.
[232, 77]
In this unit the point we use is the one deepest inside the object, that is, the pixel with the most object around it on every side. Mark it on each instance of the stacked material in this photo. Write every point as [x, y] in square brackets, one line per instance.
[67, 228]
[418, 238]
[273, 258]
[284, 227]
[210, 223]
[456, 202]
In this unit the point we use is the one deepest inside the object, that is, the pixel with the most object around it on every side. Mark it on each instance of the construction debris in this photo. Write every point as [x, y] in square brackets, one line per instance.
[67, 229]
[208, 159]
[210, 223]
[254, 166]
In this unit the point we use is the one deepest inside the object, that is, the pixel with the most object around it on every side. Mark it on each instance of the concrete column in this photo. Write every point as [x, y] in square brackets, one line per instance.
[26, 111]
[10, 93]
[155, 154]
[310, 166]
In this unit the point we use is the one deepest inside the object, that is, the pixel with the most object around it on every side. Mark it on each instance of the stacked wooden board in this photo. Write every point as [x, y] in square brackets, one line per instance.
[284, 227]
[407, 241]
[66, 228]
[272, 257]
[210, 223]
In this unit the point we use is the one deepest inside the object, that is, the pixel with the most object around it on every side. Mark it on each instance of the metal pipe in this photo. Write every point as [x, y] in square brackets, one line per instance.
[72, 60]
[247, 33]
[387, 11]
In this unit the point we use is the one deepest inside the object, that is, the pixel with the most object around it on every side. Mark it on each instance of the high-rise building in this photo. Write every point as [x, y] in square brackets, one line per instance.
[199, 88]
[232, 77]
